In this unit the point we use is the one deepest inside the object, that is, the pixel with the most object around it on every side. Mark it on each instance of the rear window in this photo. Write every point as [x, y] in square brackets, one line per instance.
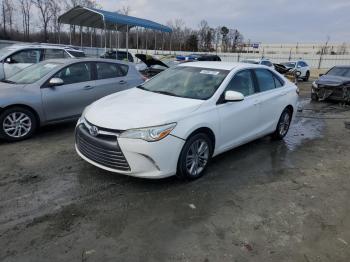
[76, 53]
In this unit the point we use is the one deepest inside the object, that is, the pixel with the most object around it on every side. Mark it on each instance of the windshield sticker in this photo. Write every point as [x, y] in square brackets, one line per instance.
[209, 72]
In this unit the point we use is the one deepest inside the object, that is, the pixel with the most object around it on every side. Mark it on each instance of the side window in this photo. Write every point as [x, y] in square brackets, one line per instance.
[278, 81]
[26, 57]
[75, 73]
[265, 79]
[110, 70]
[54, 54]
[242, 82]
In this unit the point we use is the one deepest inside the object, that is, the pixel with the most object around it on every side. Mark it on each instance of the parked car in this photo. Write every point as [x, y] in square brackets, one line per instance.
[151, 66]
[334, 85]
[118, 55]
[258, 61]
[198, 57]
[300, 66]
[18, 56]
[177, 121]
[58, 90]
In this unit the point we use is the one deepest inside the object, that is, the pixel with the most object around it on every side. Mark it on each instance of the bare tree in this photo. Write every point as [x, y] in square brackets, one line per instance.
[25, 6]
[125, 10]
[3, 11]
[9, 9]
[45, 9]
[55, 10]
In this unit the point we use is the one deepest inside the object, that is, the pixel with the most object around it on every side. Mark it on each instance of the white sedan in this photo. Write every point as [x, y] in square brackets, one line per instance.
[177, 121]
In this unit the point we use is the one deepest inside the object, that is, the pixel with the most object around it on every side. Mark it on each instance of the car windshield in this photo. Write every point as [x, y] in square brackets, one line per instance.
[32, 73]
[339, 71]
[289, 64]
[187, 82]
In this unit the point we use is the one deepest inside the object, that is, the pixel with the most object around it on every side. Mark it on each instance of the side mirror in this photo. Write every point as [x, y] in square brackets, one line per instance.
[56, 82]
[8, 60]
[233, 96]
[321, 75]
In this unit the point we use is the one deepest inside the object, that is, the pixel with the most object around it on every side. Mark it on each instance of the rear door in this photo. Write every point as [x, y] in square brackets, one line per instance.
[238, 120]
[69, 100]
[110, 78]
[272, 99]
[20, 60]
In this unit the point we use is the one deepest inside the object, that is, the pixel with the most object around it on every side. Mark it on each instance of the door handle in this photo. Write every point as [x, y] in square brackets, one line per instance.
[122, 82]
[88, 87]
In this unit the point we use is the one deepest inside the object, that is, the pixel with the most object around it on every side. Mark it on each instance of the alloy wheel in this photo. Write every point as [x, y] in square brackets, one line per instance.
[197, 157]
[17, 125]
[284, 124]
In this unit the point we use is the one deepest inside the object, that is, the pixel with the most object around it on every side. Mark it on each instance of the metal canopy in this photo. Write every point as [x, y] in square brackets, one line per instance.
[96, 18]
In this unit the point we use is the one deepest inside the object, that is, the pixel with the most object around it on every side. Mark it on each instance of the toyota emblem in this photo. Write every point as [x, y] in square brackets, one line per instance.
[93, 131]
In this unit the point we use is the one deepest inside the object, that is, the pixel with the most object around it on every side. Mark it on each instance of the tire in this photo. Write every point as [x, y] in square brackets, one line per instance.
[314, 97]
[307, 76]
[17, 123]
[283, 125]
[190, 170]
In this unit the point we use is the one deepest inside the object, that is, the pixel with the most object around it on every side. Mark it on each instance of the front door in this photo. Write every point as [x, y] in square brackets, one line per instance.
[238, 119]
[69, 100]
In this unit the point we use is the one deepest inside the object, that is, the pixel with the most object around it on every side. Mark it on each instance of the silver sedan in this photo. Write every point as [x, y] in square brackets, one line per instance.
[58, 90]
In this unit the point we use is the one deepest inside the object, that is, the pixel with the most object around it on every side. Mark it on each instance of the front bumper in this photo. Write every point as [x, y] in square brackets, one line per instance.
[133, 157]
[336, 93]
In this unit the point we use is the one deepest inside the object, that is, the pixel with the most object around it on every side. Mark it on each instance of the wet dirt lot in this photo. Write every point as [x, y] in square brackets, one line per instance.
[265, 201]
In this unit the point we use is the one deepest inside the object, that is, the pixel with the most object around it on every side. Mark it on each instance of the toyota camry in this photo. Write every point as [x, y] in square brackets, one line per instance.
[179, 120]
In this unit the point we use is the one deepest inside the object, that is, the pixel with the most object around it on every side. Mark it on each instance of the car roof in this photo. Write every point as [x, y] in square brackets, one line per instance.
[343, 66]
[221, 65]
[15, 47]
[68, 61]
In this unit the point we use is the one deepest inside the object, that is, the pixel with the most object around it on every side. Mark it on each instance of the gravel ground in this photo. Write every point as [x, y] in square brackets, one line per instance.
[264, 201]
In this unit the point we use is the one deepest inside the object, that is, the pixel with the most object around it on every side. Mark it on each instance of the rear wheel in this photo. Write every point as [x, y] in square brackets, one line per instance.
[307, 76]
[195, 157]
[283, 124]
[17, 123]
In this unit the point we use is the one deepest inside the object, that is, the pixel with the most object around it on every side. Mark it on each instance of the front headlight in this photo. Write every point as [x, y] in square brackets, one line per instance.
[314, 85]
[150, 134]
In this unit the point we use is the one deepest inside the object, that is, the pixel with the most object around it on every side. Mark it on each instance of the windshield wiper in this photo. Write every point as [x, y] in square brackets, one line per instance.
[166, 93]
[142, 87]
[8, 81]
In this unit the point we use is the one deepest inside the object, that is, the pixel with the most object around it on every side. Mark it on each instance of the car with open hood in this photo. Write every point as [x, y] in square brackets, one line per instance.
[151, 66]
[181, 118]
[333, 85]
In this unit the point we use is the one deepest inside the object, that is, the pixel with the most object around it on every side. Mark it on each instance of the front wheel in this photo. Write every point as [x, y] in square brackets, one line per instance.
[283, 124]
[17, 124]
[195, 157]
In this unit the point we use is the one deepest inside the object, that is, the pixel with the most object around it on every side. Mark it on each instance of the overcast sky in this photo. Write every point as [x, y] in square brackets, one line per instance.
[269, 21]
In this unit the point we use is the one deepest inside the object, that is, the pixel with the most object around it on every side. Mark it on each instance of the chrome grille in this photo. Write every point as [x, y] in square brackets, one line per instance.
[101, 149]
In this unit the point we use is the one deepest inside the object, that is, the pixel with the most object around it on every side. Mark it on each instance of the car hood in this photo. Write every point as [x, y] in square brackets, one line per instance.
[7, 86]
[330, 80]
[150, 60]
[136, 108]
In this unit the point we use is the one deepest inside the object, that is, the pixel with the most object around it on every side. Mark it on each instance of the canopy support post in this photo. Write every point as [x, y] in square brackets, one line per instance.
[110, 39]
[101, 38]
[163, 43]
[155, 42]
[117, 36]
[70, 34]
[81, 37]
[146, 41]
[90, 37]
[127, 42]
[104, 24]
[59, 33]
[171, 40]
[137, 41]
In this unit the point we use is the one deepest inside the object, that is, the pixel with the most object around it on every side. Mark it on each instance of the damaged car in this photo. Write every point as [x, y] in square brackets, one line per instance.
[334, 85]
[151, 66]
